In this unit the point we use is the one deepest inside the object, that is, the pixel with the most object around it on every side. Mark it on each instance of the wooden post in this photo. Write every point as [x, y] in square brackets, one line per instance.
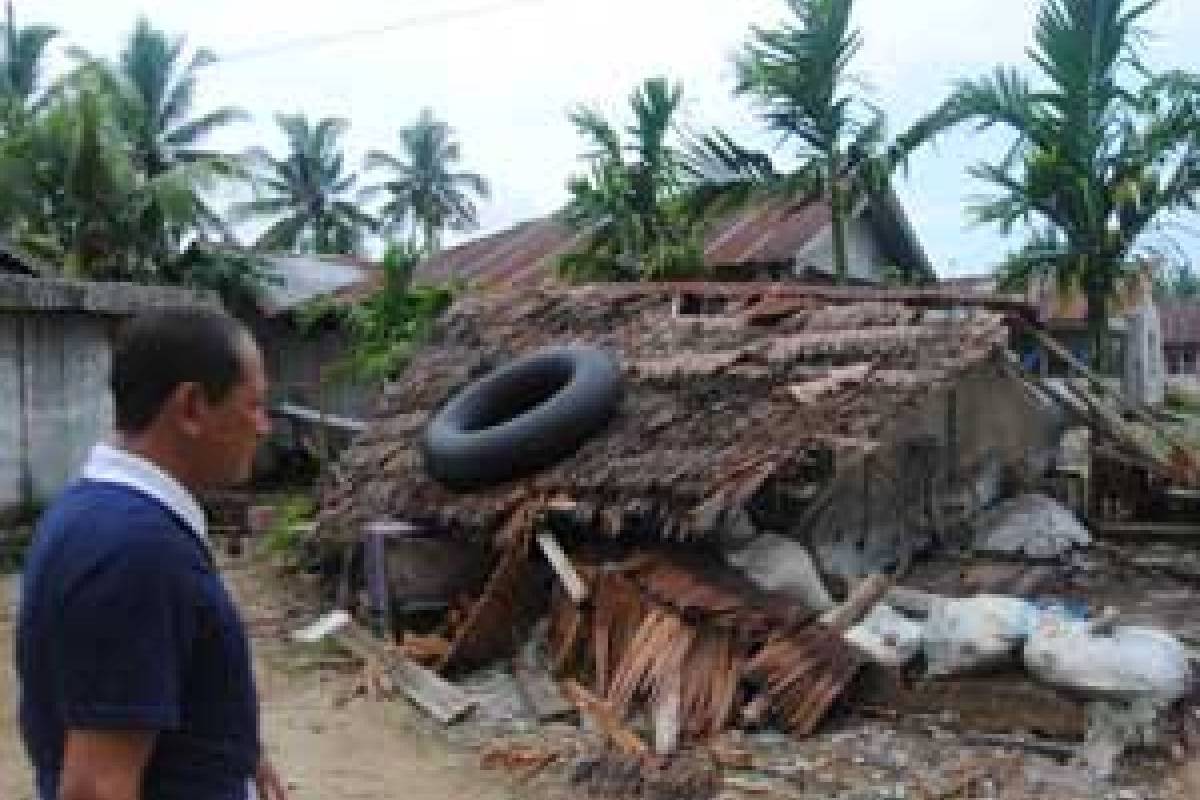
[666, 713]
[572, 582]
[378, 592]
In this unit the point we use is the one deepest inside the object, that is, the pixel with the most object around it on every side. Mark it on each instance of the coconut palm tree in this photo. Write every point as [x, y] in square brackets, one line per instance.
[152, 87]
[425, 191]
[1102, 149]
[75, 197]
[307, 192]
[22, 51]
[634, 202]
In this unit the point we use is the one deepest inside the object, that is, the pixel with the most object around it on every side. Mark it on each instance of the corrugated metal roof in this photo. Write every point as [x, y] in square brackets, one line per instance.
[769, 233]
[302, 279]
[1180, 322]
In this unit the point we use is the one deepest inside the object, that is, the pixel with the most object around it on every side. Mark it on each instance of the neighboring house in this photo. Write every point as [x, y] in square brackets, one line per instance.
[768, 240]
[302, 358]
[1181, 336]
[1134, 326]
[55, 349]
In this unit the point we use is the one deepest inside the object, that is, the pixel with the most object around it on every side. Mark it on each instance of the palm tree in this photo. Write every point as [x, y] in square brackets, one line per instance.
[75, 197]
[152, 87]
[799, 76]
[634, 202]
[1102, 149]
[22, 51]
[424, 190]
[307, 191]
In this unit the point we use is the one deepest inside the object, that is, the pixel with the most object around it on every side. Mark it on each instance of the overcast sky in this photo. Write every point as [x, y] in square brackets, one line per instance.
[504, 75]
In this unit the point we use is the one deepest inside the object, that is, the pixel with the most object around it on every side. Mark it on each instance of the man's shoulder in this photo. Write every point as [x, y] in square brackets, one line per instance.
[92, 518]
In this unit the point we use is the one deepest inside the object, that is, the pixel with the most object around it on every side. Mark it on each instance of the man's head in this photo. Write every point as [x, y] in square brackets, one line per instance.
[189, 391]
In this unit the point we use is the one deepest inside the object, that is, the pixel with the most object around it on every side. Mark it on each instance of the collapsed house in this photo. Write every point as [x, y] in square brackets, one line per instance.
[861, 423]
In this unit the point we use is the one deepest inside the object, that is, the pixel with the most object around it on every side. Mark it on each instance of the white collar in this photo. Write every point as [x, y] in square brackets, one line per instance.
[109, 464]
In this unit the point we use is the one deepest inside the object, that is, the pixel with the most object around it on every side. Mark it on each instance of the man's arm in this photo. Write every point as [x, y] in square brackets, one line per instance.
[104, 765]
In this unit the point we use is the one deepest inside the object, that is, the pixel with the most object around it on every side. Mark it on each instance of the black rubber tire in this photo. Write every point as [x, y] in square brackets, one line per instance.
[523, 417]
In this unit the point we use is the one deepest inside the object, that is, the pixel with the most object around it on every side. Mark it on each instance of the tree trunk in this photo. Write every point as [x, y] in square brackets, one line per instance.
[1098, 328]
[837, 219]
[431, 243]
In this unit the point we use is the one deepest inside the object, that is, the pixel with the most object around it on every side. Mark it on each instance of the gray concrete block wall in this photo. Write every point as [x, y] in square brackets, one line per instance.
[12, 451]
[68, 406]
[54, 400]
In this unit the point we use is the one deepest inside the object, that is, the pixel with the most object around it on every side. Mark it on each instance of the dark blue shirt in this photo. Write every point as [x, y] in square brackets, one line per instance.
[126, 625]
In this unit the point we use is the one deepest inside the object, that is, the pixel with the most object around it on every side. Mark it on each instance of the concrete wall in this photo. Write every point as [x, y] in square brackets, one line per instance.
[54, 399]
[55, 349]
[959, 450]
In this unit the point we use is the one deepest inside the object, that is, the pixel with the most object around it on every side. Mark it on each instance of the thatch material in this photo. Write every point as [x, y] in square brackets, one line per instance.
[735, 395]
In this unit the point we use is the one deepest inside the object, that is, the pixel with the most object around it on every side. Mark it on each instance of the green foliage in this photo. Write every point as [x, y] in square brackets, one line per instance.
[1177, 282]
[1183, 401]
[307, 192]
[388, 327]
[634, 203]
[285, 535]
[1101, 148]
[103, 173]
[237, 276]
[425, 193]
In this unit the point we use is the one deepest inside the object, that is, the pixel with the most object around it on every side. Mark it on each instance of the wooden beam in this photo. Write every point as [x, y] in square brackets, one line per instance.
[572, 582]
[666, 711]
[441, 699]
[1149, 530]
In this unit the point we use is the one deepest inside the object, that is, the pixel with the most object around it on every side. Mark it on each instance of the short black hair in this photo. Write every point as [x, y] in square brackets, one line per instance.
[158, 350]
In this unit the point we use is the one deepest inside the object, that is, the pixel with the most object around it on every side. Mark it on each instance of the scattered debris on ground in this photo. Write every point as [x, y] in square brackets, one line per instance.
[808, 557]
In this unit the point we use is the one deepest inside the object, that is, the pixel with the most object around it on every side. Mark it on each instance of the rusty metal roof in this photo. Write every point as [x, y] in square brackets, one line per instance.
[732, 391]
[1180, 322]
[769, 233]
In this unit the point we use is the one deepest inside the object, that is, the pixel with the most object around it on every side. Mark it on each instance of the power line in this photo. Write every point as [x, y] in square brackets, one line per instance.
[419, 20]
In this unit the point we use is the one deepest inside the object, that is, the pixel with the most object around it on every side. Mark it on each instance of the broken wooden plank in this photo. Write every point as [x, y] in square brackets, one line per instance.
[602, 714]
[538, 687]
[441, 699]
[994, 703]
[1148, 530]
[666, 711]
[562, 566]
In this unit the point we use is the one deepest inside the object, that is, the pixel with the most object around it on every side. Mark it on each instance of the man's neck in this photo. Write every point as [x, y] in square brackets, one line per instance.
[161, 455]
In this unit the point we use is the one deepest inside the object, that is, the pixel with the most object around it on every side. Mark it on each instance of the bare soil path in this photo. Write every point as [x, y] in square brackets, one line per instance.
[326, 749]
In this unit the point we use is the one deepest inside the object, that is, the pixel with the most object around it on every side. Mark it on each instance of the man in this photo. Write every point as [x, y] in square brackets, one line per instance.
[135, 669]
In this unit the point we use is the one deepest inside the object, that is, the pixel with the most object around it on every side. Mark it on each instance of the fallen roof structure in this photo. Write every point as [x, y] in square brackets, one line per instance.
[736, 395]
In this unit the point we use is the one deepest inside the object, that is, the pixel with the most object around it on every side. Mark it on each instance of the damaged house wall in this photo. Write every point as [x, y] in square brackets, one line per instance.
[957, 453]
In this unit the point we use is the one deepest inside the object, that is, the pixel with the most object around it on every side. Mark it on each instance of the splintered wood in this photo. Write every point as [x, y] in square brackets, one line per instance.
[693, 644]
[490, 626]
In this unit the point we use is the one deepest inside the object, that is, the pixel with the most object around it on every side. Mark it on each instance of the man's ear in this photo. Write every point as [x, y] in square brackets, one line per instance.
[188, 406]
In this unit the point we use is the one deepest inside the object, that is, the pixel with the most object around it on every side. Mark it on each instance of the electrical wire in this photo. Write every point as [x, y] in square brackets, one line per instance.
[420, 20]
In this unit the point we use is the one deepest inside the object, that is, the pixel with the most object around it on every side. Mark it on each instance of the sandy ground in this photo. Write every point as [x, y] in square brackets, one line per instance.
[362, 750]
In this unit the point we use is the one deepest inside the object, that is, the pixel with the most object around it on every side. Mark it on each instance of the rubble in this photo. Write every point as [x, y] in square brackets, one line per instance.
[1030, 525]
[671, 589]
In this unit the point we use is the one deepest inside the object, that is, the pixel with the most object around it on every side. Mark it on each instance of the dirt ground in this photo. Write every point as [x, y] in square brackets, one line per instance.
[362, 750]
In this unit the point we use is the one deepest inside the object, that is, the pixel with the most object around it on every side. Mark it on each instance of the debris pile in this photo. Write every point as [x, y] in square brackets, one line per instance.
[676, 581]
